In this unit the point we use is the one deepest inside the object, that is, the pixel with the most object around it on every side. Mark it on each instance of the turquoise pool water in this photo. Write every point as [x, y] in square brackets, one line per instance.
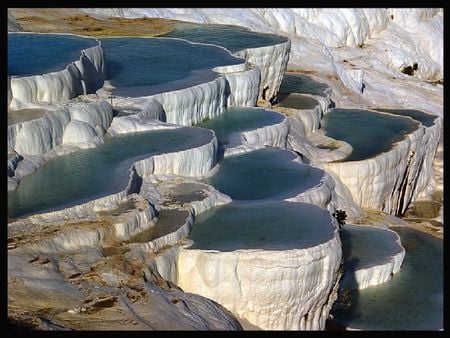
[298, 101]
[369, 133]
[264, 225]
[426, 119]
[412, 300]
[365, 246]
[232, 38]
[146, 66]
[299, 83]
[239, 119]
[262, 174]
[92, 173]
[32, 54]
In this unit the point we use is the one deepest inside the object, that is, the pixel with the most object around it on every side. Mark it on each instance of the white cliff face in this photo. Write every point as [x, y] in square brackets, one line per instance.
[248, 283]
[244, 88]
[79, 77]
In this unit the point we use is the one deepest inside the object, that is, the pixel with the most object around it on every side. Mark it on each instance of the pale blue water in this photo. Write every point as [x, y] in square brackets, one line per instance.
[412, 300]
[232, 38]
[92, 173]
[299, 83]
[32, 54]
[297, 101]
[426, 119]
[146, 66]
[239, 119]
[365, 246]
[369, 133]
[275, 225]
[262, 174]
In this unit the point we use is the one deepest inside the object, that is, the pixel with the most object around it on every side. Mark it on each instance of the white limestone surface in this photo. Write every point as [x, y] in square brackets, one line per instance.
[272, 62]
[273, 290]
[243, 88]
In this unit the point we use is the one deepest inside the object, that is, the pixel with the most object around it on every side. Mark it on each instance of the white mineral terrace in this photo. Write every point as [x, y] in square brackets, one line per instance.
[168, 251]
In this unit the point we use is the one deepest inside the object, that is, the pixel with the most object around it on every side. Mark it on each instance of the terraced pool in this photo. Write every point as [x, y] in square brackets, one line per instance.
[275, 225]
[412, 299]
[369, 133]
[92, 173]
[35, 54]
[233, 38]
[146, 66]
[262, 174]
[238, 119]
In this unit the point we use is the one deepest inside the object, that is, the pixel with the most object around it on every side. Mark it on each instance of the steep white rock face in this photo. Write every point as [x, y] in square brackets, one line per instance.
[274, 135]
[190, 162]
[248, 283]
[391, 180]
[186, 106]
[243, 87]
[272, 62]
[79, 77]
[78, 132]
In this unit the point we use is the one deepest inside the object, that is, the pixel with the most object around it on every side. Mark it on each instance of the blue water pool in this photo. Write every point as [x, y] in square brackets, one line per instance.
[146, 66]
[92, 173]
[233, 38]
[299, 83]
[32, 54]
[262, 174]
[298, 101]
[365, 246]
[426, 119]
[239, 119]
[412, 300]
[368, 132]
[264, 225]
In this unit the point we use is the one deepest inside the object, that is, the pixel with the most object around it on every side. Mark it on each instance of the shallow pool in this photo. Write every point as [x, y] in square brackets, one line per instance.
[297, 101]
[92, 173]
[299, 83]
[146, 66]
[368, 132]
[233, 38]
[262, 174]
[32, 54]
[365, 246]
[412, 300]
[238, 119]
[426, 119]
[275, 225]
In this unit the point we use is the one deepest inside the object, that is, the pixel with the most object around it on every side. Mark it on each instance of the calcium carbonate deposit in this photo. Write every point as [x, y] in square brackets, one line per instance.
[203, 179]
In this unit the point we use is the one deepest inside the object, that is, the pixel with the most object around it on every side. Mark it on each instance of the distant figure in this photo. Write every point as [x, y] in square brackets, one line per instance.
[362, 88]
